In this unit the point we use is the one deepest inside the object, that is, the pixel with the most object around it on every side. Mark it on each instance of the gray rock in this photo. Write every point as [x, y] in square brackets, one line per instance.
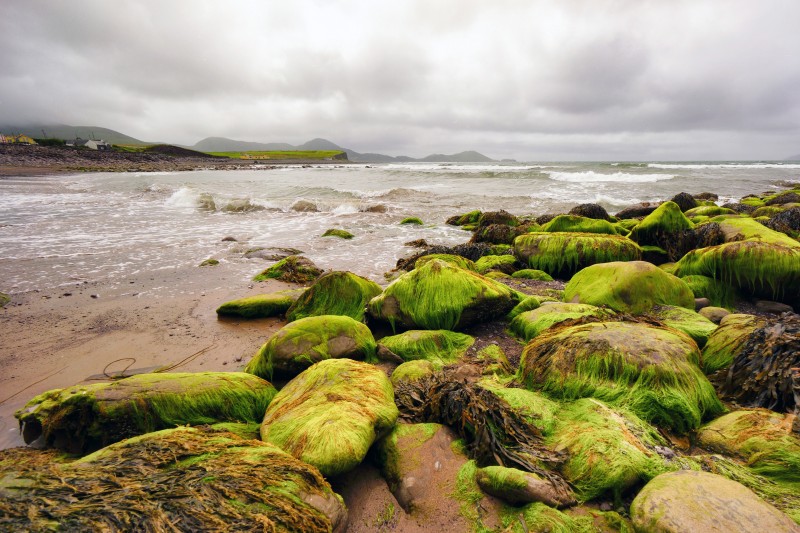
[775, 308]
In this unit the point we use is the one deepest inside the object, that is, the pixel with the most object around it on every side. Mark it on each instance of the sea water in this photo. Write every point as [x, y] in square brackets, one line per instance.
[59, 230]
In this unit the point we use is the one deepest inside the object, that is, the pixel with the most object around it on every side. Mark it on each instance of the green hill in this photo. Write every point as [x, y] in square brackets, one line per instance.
[63, 131]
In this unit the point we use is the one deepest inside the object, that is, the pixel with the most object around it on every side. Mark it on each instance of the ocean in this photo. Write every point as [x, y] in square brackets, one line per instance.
[59, 230]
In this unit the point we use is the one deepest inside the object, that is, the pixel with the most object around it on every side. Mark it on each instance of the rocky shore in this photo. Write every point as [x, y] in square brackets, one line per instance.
[572, 372]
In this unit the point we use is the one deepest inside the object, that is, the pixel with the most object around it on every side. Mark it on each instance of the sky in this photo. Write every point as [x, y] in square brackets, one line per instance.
[529, 80]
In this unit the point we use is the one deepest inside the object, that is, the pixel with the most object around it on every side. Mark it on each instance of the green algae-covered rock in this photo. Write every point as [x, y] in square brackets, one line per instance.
[412, 371]
[209, 262]
[662, 227]
[336, 232]
[503, 263]
[335, 293]
[758, 268]
[455, 260]
[633, 287]
[693, 324]
[579, 224]
[709, 211]
[740, 229]
[182, 479]
[530, 273]
[651, 371]
[330, 415]
[519, 487]
[763, 439]
[609, 450]
[440, 347]
[467, 218]
[494, 361]
[412, 220]
[4, 299]
[301, 343]
[528, 304]
[563, 254]
[725, 343]
[442, 296]
[529, 324]
[261, 305]
[86, 417]
[534, 407]
[718, 293]
[677, 502]
[293, 269]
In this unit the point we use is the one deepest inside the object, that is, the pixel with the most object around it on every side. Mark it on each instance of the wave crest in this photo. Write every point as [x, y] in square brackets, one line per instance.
[593, 177]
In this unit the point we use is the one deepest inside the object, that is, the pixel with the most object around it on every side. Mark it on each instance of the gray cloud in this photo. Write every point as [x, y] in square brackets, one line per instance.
[609, 79]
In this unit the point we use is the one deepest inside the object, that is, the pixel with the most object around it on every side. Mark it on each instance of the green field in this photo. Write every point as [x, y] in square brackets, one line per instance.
[279, 154]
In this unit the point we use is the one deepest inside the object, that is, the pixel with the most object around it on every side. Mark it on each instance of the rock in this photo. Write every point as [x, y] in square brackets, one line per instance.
[271, 254]
[590, 211]
[528, 304]
[504, 263]
[442, 296]
[241, 205]
[497, 217]
[229, 239]
[293, 269]
[377, 208]
[637, 211]
[761, 269]
[684, 201]
[651, 371]
[563, 254]
[304, 206]
[740, 208]
[667, 228]
[709, 211]
[417, 243]
[773, 308]
[529, 273]
[330, 415]
[727, 341]
[706, 196]
[209, 262]
[4, 299]
[700, 303]
[787, 220]
[748, 229]
[693, 324]
[455, 260]
[699, 501]
[786, 197]
[467, 218]
[335, 293]
[529, 324]
[628, 287]
[261, 305]
[714, 314]
[519, 487]
[86, 417]
[335, 232]
[496, 234]
[471, 251]
[412, 220]
[439, 347]
[609, 450]
[544, 219]
[181, 479]
[306, 341]
[578, 224]
[716, 292]
[412, 371]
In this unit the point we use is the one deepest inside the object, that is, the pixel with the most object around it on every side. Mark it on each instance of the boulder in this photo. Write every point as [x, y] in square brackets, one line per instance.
[529, 324]
[261, 305]
[737, 229]
[719, 294]
[528, 304]
[714, 314]
[293, 269]
[239, 205]
[684, 201]
[563, 254]
[330, 415]
[590, 211]
[504, 263]
[496, 234]
[629, 287]
[693, 324]
[439, 347]
[306, 341]
[83, 418]
[467, 218]
[652, 371]
[412, 220]
[530, 273]
[666, 228]
[336, 232]
[455, 260]
[727, 341]
[335, 293]
[709, 211]
[519, 487]
[304, 206]
[637, 210]
[442, 296]
[677, 502]
[182, 479]
[497, 217]
[412, 371]
[578, 224]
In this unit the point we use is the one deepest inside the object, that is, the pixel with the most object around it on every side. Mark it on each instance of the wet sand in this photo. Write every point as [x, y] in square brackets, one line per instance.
[49, 339]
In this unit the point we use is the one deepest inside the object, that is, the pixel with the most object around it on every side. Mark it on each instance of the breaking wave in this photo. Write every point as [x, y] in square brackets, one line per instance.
[590, 176]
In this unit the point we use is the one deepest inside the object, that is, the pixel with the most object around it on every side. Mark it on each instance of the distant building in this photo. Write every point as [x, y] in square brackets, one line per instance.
[16, 139]
[92, 144]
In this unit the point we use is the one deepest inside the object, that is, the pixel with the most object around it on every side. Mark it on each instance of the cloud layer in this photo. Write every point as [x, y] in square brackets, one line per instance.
[569, 79]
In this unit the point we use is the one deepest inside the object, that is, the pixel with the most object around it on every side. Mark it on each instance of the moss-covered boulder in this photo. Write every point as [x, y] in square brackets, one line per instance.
[530, 273]
[725, 343]
[182, 479]
[632, 287]
[763, 439]
[412, 371]
[747, 229]
[666, 228]
[762, 269]
[301, 343]
[529, 324]
[442, 296]
[412, 220]
[335, 293]
[718, 293]
[652, 371]
[456, 260]
[528, 304]
[337, 232]
[709, 211]
[677, 502]
[293, 269]
[503, 263]
[261, 305]
[693, 324]
[330, 415]
[610, 450]
[519, 487]
[467, 218]
[563, 254]
[86, 417]
[579, 224]
[439, 347]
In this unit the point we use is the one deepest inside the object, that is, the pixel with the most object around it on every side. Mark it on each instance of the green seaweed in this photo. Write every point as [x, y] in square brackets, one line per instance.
[336, 232]
[696, 326]
[709, 211]
[727, 341]
[335, 293]
[412, 370]
[455, 260]
[529, 273]
[718, 293]
[528, 304]
[579, 224]
[292, 269]
[412, 220]
[261, 305]
[504, 263]
[529, 324]
[440, 347]
[662, 226]
[563, 254]
[749, 229]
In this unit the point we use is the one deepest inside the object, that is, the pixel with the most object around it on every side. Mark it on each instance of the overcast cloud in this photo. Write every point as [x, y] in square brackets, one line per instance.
[531, 80]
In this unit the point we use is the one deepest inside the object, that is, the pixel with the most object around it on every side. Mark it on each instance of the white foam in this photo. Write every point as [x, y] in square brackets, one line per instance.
[590, 176]
[345, 209]
[700, 166]
[183, 197]
[450, 167]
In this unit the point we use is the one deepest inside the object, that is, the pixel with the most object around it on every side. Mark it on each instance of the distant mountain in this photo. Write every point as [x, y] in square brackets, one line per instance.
[63, 131]
[222, 144]
[794, 158]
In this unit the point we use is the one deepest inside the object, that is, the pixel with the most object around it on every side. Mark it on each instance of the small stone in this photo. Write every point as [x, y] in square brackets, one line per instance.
[95, 296]
[229, 239]
[700, 303]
